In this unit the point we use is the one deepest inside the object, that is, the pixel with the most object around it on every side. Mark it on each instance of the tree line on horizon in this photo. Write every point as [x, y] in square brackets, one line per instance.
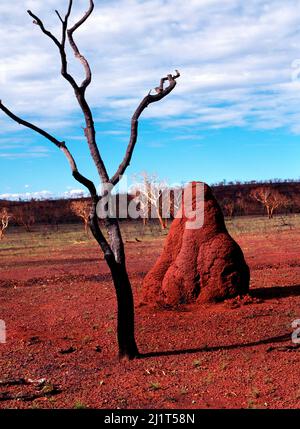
[235, 200]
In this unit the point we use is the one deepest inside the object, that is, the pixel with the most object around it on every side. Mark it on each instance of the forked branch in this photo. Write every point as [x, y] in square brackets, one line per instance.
[60, 144]
[161, 93]
[76, 51]
[38, 21]
[76, 174]
[60, 45]
[114, 252]
[90, 131]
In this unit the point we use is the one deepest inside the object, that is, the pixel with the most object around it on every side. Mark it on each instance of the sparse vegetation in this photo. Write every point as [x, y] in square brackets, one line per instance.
[4, 220]
[24, 215]
[255, 393]
[155, 385]
[79, 405]
[82, 209]
[197, 363]
[270, 198]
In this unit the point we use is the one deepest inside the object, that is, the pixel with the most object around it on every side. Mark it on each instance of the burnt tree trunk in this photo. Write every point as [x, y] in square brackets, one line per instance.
[125, 325]
[161, 221]
[86, 227]
[115, 258]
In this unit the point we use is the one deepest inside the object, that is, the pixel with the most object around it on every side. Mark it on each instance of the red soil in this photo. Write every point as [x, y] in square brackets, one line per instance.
[60, 317]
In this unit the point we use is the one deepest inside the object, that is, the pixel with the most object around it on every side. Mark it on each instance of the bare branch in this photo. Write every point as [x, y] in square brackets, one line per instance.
[69, 10]
[65, 24]
[76, 174]
[60, 144]
[90, 132]
[31, 126]
[84, 18]
[161, 93]
[61, 47]
[60, 18]
[77, 53]
[38, 22]
[270, 198]
[4, 221]
[152, 194]
[93, 218]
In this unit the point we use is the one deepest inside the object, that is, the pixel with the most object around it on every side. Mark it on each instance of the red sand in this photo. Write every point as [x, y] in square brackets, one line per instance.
[230, 354]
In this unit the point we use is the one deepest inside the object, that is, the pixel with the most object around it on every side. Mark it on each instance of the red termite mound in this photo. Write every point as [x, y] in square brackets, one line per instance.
[203, 264]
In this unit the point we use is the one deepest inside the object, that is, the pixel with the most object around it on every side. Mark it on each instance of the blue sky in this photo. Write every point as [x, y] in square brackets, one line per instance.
[234, 115]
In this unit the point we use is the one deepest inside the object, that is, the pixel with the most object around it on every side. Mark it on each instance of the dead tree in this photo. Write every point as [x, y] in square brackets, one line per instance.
[24, 215]
[177, 198]
[241, 203]
[113, 247]
[228, 207]
[4, 221]
[82, 209]
[151, 195]
[270, 198]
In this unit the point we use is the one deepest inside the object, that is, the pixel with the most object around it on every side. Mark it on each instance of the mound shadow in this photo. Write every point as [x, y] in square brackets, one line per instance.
[262, 293]
[58, 261]
[275, 292]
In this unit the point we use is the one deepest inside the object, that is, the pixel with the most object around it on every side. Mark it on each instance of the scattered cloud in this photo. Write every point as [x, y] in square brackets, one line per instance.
[25, 151]
[74, 193]
[235, 58]
[189, 137]
[40, 195]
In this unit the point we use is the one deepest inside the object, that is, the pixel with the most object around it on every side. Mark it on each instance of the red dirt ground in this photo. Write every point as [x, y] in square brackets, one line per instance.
[231, 355]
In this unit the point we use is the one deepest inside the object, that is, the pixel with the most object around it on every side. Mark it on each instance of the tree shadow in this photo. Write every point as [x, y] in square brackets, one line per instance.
[262, 293]
[275, 292]
[278, 339]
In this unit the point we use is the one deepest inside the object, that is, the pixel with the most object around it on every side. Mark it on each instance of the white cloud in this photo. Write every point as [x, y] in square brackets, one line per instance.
[235, 58]
[75, 193]
[40, 195]
[43, 195]
[15, 149]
